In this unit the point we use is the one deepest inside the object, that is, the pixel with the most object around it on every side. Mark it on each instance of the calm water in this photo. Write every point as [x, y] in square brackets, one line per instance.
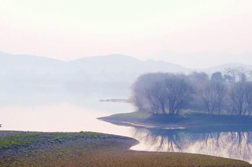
[57, 109]
[236, 145]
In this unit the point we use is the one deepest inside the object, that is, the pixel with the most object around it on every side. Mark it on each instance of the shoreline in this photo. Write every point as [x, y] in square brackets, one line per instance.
[92, 149]
[188, 122]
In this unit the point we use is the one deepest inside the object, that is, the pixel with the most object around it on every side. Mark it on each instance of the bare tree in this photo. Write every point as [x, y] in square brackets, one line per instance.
[148, 92]
[221, 95]
[241, 97]
[209, 97]
[213, 93]
[161, 92]
[248, 97]
[177, 90]
[168, 93]
[233, 75]
[217, 77]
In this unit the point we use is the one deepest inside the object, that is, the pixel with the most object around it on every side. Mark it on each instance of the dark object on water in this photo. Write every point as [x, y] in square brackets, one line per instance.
[115, 100]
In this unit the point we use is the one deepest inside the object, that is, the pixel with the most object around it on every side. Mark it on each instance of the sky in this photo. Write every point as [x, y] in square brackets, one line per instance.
[68, 30]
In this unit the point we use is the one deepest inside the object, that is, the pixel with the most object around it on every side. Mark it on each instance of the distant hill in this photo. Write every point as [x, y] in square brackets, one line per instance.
[203, 59]
[28, 63]
[108, 68]
[88, 71]
[116, 63]
[117, 68]
[223, 67]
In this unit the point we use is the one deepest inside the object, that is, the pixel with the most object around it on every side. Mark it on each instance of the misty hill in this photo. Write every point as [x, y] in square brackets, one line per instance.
[116, 68]
[116, 63]
[223, 67]
[109, 68]
[29, 63]
[203, 59]
[95, 71]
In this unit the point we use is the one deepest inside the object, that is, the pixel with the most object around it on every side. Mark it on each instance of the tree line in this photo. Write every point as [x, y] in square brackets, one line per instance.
[168, 93]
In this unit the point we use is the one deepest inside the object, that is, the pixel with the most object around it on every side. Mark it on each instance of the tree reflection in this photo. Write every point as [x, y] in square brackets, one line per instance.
[159, 139]
[237, 145]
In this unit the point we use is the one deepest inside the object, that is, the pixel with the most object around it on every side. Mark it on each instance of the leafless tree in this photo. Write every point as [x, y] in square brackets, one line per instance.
[177, 90]
[161, 92]
[233, 75]
[248, 97]
[148, 92]
[213, 93]
[241, 97]
[209, 98]
[168, 93]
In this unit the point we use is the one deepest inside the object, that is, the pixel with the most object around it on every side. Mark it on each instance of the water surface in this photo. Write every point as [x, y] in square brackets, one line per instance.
[50, 109]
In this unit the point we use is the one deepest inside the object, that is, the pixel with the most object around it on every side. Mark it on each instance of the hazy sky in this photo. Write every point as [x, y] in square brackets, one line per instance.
[68, 30]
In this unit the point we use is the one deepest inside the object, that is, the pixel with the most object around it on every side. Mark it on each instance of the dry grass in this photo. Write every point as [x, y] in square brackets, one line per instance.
[99, 151]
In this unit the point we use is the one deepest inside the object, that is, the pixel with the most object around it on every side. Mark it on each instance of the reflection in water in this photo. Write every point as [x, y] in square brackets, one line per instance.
[236, 145]
[58, 117]
[50, 109]
[58, 109]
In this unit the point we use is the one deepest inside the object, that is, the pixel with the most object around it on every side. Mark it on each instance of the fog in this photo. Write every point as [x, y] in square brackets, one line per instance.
[112, 71]
[76, 29]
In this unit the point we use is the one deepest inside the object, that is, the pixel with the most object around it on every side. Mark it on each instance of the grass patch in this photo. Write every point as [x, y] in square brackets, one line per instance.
[25, 139]
[96, 150]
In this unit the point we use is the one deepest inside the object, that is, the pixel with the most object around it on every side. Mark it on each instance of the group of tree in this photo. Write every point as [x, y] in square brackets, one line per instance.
[167, 93]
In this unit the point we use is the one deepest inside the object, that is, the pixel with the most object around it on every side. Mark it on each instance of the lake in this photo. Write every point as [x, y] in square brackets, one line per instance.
[57, 109]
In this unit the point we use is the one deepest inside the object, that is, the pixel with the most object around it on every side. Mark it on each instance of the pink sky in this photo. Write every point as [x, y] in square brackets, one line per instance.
[69, 30]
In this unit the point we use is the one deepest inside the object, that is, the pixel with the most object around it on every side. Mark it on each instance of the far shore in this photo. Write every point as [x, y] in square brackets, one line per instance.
[190, 121]
[90, 149]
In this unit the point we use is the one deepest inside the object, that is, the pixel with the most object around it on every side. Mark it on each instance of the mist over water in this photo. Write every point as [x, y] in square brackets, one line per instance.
[59, 100]
[61, 60]
[60, 109]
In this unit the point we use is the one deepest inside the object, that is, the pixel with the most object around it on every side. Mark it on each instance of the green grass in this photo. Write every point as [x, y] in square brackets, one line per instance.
[25, 139]
[88, 149]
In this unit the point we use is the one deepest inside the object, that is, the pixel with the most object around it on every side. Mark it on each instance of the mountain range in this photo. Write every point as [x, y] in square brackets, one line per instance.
[115, 68]
[203, 59]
